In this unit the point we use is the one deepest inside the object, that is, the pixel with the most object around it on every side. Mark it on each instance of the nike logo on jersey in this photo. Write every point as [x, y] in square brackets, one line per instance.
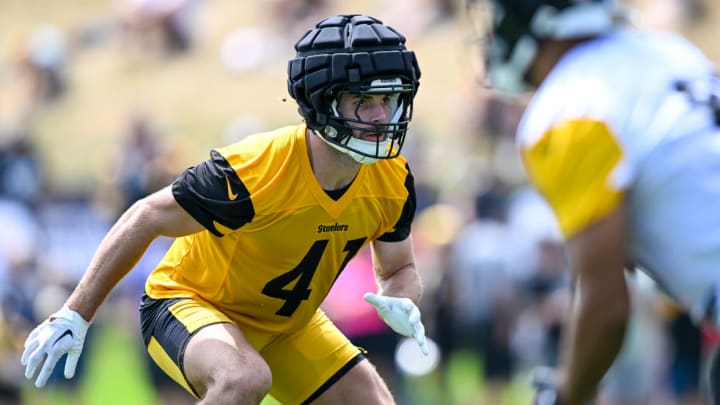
[232, 196]
[333, 228]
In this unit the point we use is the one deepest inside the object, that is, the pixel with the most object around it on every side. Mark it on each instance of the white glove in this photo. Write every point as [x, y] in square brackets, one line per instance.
[402, 315]
[64, 332]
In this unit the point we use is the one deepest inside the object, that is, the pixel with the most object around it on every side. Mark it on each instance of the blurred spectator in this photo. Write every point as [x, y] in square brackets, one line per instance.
[21, 175]
[72, 230]
[162, 26]
[145, 164]
[44, 60]
[481, 309]
[530, 217]
[140, 149]
[497, 116]
[547, 292]
[536, 268]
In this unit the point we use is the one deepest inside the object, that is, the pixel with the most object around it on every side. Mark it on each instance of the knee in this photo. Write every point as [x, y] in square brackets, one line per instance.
[261, 378]
[246, 384]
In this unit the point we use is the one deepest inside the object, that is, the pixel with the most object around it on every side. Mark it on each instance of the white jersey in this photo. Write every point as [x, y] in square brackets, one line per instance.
[609, 126]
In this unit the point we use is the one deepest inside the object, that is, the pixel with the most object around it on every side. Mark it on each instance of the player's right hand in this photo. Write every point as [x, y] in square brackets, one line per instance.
[64, 332]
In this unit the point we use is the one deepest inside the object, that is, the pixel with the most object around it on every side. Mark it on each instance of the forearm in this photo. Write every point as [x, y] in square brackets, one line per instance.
[595, 335]
[117, 254]
[404, 282]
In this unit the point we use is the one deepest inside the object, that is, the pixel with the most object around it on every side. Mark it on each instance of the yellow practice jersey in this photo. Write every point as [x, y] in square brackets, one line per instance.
[275, 241]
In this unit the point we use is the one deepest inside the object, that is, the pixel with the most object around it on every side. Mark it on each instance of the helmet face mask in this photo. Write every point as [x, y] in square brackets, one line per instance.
[354, 55]
[371, 139]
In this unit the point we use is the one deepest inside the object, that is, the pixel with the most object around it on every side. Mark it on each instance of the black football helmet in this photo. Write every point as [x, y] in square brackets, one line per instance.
[514, 29]
[354, 53]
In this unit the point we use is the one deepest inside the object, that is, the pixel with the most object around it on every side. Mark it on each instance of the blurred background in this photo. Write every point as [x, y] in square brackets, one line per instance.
[104, 101]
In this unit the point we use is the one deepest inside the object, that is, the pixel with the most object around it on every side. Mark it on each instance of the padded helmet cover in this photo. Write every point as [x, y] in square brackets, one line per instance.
[345, 51]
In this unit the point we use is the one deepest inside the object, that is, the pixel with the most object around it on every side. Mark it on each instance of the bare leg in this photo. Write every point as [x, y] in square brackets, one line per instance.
[361, 385]
[224, 368]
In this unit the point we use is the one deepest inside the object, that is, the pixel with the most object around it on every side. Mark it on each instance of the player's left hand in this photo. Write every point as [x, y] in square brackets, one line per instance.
[402, 315]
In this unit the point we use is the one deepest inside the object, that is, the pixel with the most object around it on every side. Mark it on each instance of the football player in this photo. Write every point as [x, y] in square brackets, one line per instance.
[263, 228]
[622, 138]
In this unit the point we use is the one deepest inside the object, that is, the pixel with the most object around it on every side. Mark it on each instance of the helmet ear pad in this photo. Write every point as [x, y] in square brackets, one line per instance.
[346, 52]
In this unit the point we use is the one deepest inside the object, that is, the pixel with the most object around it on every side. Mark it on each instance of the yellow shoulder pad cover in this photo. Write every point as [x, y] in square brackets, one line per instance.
[571, 165]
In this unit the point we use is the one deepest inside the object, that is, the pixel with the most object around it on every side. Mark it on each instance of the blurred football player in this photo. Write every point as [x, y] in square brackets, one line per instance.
[622, 138]
[263, 229]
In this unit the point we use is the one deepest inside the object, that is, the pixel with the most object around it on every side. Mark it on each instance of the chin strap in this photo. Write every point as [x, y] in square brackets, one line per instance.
[358, 157]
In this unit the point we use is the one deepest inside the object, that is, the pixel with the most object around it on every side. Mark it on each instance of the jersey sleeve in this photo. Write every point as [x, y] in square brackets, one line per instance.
[401, 229]
[214, 195]
[572, 165]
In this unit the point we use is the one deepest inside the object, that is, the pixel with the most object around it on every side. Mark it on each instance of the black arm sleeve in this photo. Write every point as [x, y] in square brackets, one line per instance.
[402, 227]
[212, 192]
